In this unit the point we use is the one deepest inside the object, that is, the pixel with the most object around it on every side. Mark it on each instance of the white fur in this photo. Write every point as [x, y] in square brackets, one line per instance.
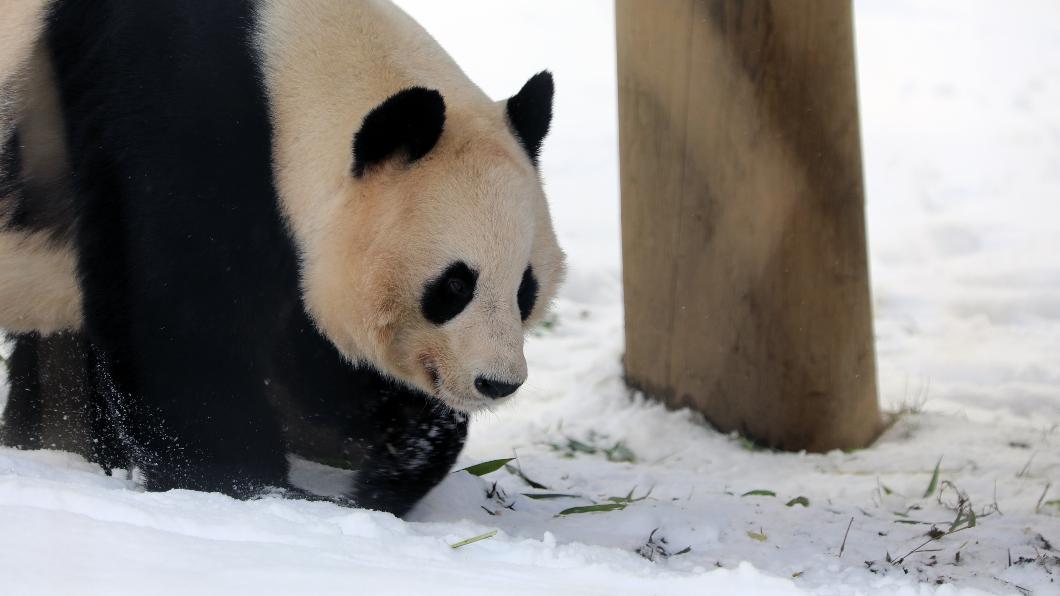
[41, 130]
[38, 282]
[369, 245]
[20, 25]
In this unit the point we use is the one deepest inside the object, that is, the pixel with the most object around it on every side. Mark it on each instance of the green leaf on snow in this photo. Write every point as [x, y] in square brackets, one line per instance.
[486, 467]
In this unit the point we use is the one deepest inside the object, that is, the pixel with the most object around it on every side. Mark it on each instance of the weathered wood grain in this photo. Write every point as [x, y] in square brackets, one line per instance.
[745, 268]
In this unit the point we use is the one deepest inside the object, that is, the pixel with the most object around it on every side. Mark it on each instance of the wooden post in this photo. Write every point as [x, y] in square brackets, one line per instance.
[745, 269]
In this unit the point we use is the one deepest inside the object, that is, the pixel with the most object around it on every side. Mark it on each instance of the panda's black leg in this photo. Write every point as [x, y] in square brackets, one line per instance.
[181, 378]
[182, 389]
[23, 415]
[54, 401]
[183, 256]
[418, 444]
[177, 358]
[198, 431]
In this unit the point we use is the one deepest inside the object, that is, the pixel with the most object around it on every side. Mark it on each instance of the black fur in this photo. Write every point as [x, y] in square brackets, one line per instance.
[180, 244]
[190, 281]
[402, 442]
[408, 122]
[530, 113]
[43, 205]
[527, 294]
[10, 182]
[449, 294]
[22, 414]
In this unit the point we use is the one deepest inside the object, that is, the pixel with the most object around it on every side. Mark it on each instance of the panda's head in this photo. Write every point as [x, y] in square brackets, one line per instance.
[440, 251]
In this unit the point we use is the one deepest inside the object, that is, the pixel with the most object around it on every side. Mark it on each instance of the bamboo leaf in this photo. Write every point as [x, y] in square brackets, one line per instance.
[759, 493]
[798, 501]
[517, 471]
[474, 539]
[542, 496]
[620, 453]
[486, 467]
[602, 507]
[575, 445]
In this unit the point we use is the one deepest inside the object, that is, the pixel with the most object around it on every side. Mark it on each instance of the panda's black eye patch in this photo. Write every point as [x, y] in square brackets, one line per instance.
[448, 294]
[527, 294]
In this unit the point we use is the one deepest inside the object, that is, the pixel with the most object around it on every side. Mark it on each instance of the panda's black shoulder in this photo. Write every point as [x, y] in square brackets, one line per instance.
[169, 130]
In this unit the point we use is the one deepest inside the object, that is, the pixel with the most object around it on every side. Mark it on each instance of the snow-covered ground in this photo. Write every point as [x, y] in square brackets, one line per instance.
[961, 111]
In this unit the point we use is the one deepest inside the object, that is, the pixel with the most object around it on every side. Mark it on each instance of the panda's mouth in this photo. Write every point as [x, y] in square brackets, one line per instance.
[439, 391]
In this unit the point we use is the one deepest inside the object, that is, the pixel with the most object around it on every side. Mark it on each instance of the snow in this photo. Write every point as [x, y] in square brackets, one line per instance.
[961, 128]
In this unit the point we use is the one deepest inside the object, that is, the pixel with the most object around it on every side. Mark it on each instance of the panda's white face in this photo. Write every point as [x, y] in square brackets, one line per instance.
[485, 273]
[434, 270]
[462, 261]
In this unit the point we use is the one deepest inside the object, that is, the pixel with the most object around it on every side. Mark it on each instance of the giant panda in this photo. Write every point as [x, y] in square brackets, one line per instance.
[290, 218]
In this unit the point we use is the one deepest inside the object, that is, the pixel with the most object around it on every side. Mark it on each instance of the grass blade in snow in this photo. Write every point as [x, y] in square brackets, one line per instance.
[518, 471]
[798, 501]
[934, 484]
[759, 493]
[540, 496]
[629, 498]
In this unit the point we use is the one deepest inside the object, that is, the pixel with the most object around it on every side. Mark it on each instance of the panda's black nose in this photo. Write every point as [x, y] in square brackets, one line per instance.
[495, 389]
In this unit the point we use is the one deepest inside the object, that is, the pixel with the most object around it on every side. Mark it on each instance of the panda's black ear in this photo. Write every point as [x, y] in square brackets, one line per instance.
[407, 123]
[530, 113]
